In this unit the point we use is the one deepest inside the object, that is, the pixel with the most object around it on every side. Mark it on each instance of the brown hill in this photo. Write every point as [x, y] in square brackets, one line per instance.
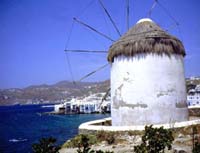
[51, 93]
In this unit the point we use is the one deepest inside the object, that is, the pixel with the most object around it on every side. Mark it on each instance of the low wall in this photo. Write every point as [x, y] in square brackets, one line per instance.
[105, 125]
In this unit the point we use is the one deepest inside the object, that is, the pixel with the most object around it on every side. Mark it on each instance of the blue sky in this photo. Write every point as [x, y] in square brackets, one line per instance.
[34, 34]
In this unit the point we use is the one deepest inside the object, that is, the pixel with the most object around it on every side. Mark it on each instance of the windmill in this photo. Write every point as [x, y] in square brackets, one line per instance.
[116, 29]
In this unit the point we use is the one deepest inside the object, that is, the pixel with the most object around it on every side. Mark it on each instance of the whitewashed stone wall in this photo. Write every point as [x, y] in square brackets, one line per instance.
[148, 89]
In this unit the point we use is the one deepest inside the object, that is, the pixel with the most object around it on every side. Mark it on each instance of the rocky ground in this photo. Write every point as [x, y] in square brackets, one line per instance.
[194, 112]
[178, 147]
[124, 143]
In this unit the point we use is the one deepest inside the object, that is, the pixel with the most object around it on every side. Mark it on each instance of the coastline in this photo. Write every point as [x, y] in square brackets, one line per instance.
[27, 104]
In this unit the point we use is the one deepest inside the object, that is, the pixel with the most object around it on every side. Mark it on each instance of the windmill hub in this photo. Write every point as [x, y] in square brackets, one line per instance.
[144, 19]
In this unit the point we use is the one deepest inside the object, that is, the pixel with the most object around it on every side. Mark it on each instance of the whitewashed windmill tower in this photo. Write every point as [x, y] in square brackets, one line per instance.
[147, 77]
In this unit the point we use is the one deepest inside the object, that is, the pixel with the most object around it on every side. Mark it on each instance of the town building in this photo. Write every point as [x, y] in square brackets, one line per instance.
[193, 97]
[86, 105]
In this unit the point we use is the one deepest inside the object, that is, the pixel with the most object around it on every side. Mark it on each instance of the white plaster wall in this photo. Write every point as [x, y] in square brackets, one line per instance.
[148, 89]
[57, 107]
[194, 99]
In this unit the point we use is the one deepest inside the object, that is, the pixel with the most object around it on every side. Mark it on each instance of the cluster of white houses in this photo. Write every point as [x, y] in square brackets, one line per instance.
[193, 97]
[87, 105]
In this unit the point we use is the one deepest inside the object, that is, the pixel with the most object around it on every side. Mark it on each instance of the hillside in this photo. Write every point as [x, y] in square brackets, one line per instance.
[192, 82]
[62, 90]
[51, 93]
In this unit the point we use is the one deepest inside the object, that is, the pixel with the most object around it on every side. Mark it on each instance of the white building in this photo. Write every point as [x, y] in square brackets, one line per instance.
[90, 104]
[59, 108]
[147, 77]
[193, 97]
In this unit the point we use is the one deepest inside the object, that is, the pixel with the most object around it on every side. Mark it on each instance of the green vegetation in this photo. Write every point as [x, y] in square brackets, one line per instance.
[196, 148]
[76, 141]
[84, 146]
[109, 137]
[46, 145]
[84, 143]
[155, 140]
[196, 140]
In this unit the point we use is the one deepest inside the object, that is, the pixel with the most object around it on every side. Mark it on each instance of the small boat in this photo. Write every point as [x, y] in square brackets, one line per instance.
[47, 106]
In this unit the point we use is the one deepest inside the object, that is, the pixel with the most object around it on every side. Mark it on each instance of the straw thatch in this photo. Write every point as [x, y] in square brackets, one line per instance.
[146, 37]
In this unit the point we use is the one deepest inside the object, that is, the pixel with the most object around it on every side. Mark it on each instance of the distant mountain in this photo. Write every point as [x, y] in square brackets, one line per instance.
[51, 93]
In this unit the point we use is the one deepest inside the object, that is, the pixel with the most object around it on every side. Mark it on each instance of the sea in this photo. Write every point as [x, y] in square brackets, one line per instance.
[23, 125]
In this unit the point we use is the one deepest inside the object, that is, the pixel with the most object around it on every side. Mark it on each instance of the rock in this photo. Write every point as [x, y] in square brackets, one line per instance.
[137, 139]
[179, 150]
[113, 147]
[103, 143]
[180, 135]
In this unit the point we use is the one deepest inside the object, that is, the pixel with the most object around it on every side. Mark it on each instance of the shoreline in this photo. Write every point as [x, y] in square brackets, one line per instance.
[19, 104]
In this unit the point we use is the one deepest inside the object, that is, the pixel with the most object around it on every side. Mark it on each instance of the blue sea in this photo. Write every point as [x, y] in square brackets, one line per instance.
[23, 125]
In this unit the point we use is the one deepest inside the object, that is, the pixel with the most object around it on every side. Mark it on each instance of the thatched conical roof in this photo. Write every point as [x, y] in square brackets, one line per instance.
[146, 37]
